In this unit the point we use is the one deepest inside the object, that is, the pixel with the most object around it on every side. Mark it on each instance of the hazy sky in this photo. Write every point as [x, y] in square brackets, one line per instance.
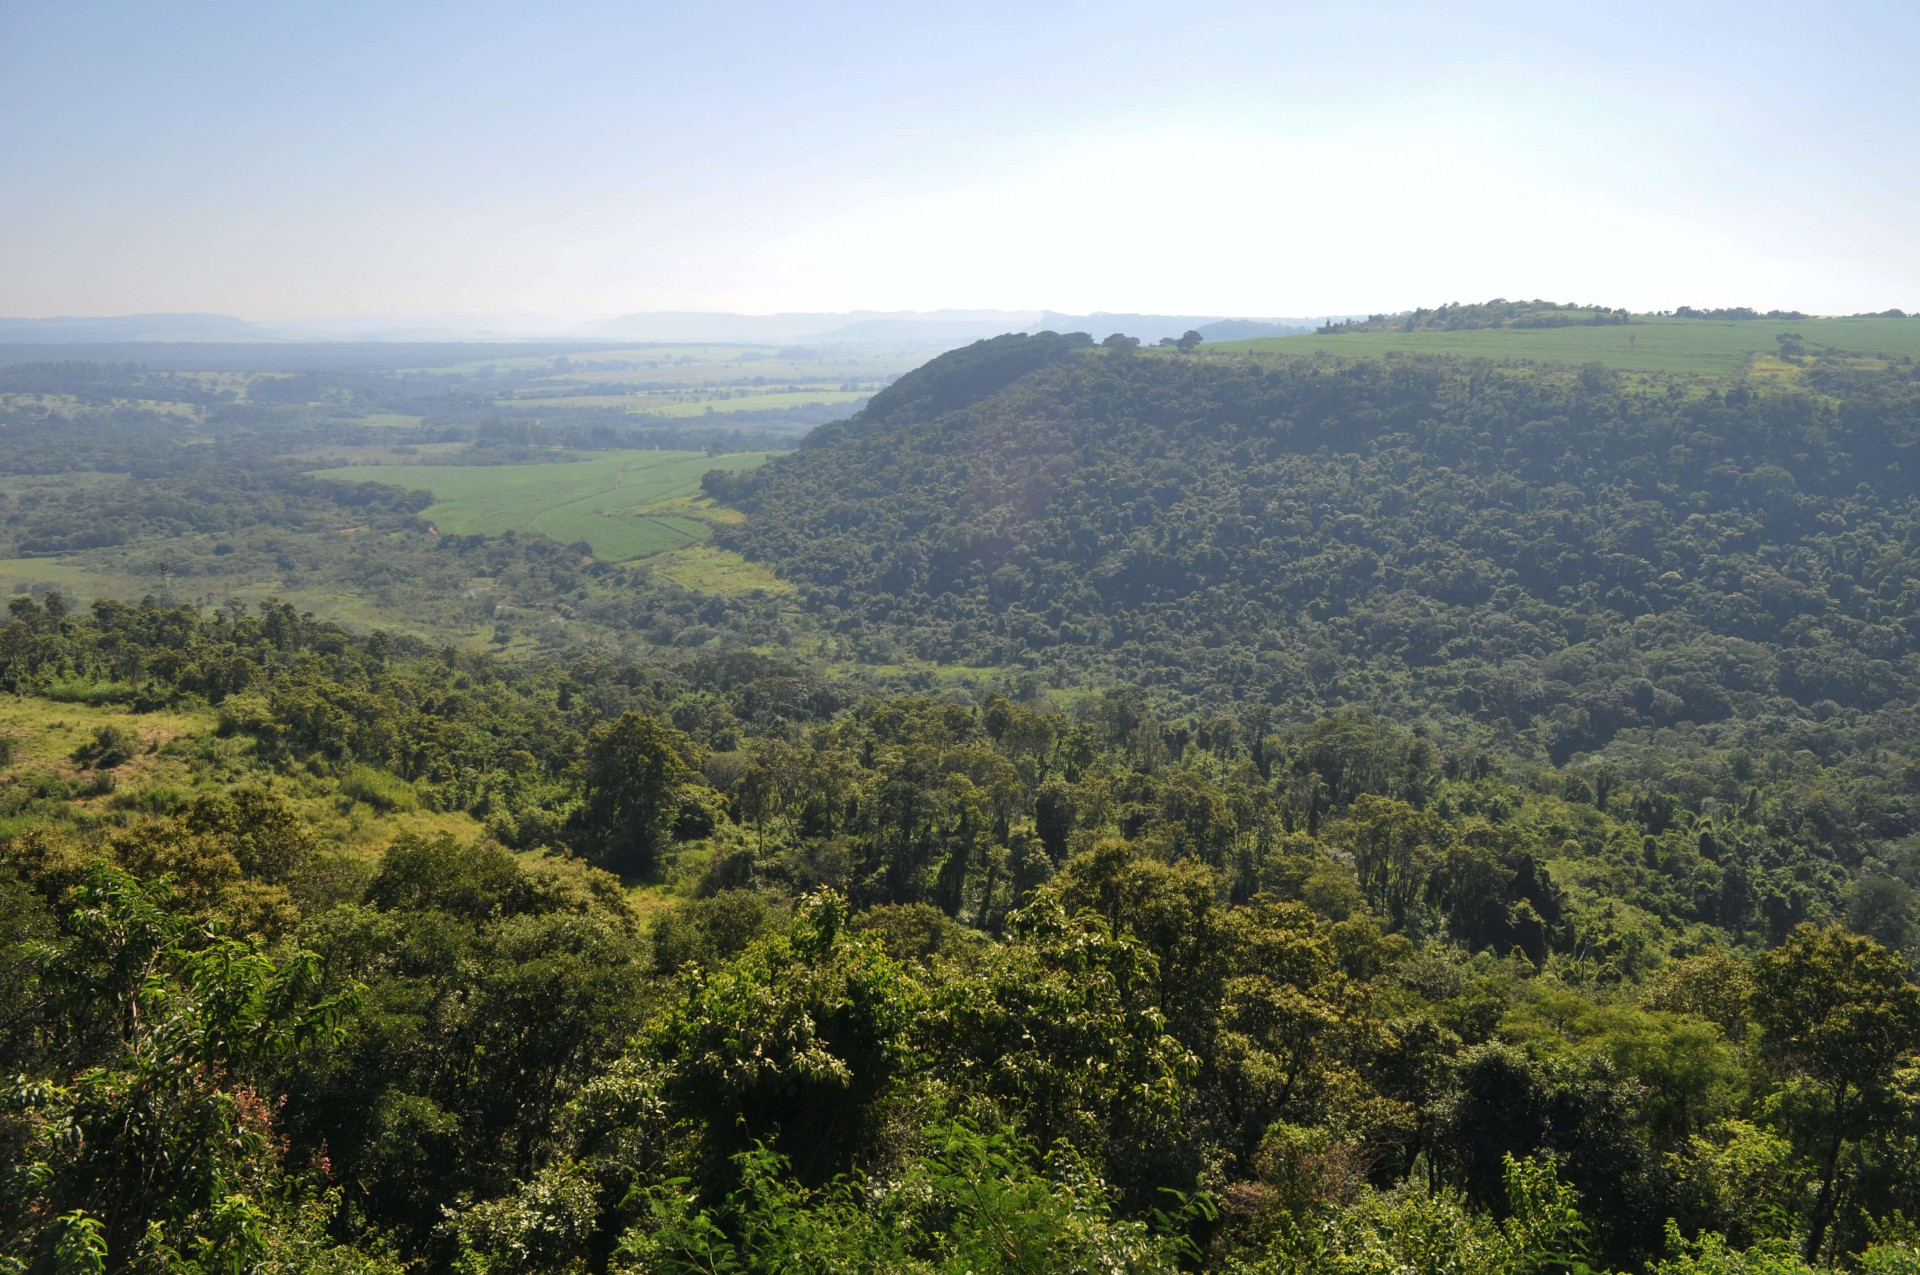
[276, 159]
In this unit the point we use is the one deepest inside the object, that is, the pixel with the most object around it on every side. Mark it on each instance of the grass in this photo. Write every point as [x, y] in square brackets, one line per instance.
[702, 568]
[380, 453]
[606, 502]
[1702, 346]
[634, 352]
[75, 580]
[361, 812]
[67, 404]
[755, 402]
[44, 734]
[81, 581]
[683, 366]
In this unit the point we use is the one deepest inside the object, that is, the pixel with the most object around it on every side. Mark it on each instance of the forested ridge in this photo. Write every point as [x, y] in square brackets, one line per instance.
[1431, 817]
[1554, 556]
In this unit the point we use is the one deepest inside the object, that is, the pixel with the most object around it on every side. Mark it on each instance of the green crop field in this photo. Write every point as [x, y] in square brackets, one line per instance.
[611, 502]
[1651, 344]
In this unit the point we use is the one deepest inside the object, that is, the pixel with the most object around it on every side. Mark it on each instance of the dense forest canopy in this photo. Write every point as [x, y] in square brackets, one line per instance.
[1550, 559]
[1185, 812]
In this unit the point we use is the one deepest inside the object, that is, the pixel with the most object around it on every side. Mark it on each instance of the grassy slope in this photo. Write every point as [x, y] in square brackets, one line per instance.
[607, 502]
[1703, 346]
[83, 578]
[705, 569]
[180, 754]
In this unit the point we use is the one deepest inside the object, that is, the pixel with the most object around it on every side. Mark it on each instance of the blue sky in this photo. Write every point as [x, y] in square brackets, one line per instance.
[287, 160]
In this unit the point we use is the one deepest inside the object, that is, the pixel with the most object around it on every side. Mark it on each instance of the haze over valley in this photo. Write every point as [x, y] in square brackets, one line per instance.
[828, 639]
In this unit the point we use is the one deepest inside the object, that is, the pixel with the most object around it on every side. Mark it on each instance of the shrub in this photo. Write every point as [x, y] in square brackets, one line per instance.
[81, 691]
[110, 746]
[377, 788]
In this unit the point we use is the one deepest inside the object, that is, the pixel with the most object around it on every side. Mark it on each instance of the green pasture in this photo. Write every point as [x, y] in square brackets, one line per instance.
[754, 402]
[705, 569]
[766, 376]
[665, 377]
[1703, 346]
[82, 579]
[682, 405]
[609, 501]
[74, 579]
[67, 404]
[691, 367]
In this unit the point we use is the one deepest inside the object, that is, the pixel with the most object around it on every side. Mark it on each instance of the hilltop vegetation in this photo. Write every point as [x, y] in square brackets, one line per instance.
[1709, 344]
[1496, 314]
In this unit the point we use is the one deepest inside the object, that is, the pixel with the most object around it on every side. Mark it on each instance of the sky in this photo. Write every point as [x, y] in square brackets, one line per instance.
[290, 159]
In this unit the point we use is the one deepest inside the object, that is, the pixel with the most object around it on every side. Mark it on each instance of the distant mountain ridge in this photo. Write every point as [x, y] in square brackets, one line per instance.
[132, 327]
[935, 326]
[930, 328]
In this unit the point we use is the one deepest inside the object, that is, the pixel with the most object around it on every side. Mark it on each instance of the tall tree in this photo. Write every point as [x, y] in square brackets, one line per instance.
[1836, 1007]
[633, 769]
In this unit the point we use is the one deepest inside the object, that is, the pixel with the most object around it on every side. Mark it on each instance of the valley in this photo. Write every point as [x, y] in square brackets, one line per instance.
[1358, 783]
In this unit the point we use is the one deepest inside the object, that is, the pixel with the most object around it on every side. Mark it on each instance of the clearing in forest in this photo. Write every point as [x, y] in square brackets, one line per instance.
[611, 502]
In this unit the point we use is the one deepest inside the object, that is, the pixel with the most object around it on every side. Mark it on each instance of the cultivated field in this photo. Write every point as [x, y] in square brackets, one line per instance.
[625, 504]
[682, 404]
[1706, 346]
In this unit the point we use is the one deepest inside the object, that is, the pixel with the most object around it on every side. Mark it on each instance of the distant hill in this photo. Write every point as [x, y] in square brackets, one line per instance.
[133, 327]
[943, 328]
[1537, 551]
[929, 330]
[1248, 329]
[946, 326]
[286, 356]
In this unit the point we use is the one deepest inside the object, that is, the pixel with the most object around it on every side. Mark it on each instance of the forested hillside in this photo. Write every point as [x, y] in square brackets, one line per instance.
[1551, 560]
[1426, 817]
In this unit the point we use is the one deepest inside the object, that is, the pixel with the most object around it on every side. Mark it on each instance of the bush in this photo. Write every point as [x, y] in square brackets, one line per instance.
[97, 694]
[708, 931]
[384, 792]
[110, 746]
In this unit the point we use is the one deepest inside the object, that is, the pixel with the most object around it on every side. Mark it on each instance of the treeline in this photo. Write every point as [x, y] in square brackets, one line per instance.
[1498, 313]
[54, 519]
[500, 437]
[100, 384]
[1737, 312]
[451, 406]
[949, 988]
